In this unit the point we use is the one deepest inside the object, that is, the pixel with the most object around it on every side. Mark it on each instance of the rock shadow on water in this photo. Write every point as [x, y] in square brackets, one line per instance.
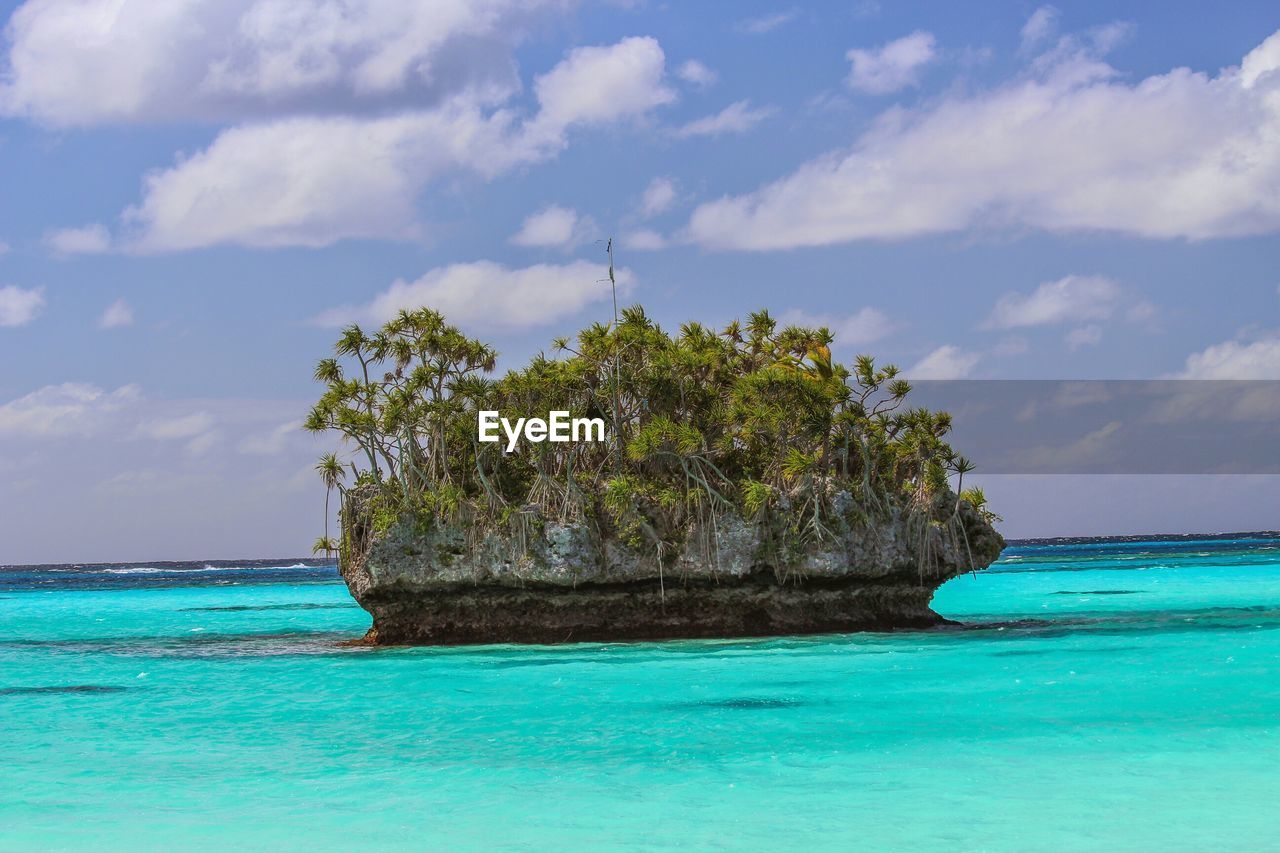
[57, 689]
[626, 654]
[199, 645]
[1127, 623]
[242, 608]
[741, 703]
[1076, 652]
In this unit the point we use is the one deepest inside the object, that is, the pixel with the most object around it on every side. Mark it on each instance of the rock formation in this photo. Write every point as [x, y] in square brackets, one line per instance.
[425, 582]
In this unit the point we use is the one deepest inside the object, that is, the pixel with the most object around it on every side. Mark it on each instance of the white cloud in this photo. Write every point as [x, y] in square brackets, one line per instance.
[182, 426]
[862, 327]
[239, 59]
[195, 430]
[1071, 299]
[1258, 359]
[644, 240]
[273, 442]
[738, 117]
[1085, 336]
[202, 443]
[946, 362]
[82, 410]
[86, 240]
[891, 67]
[137, 497]
[766, 23]
[658, 197]
[487, 296]
[1261, 62]
[118, 314]
[551, 226]
[1041, 25]
[20, 306]
[600, 85]
[1141, 311]
[72, 408]
[1071, 147]
[1010, 346]
[1092, 448]
[556, 226]
[694, 72]
[314, 181]
[311, 181]
[141, 482]
[4, 248]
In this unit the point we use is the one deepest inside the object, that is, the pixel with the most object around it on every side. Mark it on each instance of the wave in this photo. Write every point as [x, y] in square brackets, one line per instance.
[212, 568]
[162, 573]
[154, 570]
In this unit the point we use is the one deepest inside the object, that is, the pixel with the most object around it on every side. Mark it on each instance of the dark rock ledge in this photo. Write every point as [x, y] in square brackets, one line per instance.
[433, 584]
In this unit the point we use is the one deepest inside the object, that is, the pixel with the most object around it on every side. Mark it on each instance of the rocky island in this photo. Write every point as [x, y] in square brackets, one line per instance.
[748, 485]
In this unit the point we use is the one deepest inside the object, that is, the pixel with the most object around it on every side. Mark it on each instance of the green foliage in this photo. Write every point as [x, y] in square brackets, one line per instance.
[324, 545]
[756, 497]
[747, 419]
[385, 509]
[976, 498]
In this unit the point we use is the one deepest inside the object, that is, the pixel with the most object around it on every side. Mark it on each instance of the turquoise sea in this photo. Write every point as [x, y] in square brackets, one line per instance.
[1104, 696]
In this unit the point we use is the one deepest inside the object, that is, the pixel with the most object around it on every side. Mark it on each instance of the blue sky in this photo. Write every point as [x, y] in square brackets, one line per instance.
[194, 193]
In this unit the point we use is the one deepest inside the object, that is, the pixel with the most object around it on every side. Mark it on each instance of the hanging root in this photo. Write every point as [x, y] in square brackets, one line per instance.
[662, 583]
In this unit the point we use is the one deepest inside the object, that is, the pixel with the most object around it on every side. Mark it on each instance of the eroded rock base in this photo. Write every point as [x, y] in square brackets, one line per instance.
[753, 607]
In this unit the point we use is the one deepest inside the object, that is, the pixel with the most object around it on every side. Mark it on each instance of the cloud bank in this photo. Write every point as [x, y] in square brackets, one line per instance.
[19, 306]
[738, 117]
[555, 227]
[336, 117]
[1071, 146]
[891, 67]
[1237, 359]
[228, 60]
[486, 296]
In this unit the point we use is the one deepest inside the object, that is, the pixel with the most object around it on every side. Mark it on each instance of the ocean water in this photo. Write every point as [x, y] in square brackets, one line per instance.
[1104, 696]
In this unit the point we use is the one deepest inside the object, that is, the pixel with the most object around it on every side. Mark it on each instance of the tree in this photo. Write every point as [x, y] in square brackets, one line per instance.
[326, 546]
[755, 419]
[330, 470]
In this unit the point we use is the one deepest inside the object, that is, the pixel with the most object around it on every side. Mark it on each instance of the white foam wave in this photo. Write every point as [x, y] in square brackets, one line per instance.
[209, 568]
[156, 570]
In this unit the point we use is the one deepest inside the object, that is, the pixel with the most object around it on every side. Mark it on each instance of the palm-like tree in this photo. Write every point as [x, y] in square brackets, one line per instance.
[704, 421]
[330, 470]
[326, 545]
